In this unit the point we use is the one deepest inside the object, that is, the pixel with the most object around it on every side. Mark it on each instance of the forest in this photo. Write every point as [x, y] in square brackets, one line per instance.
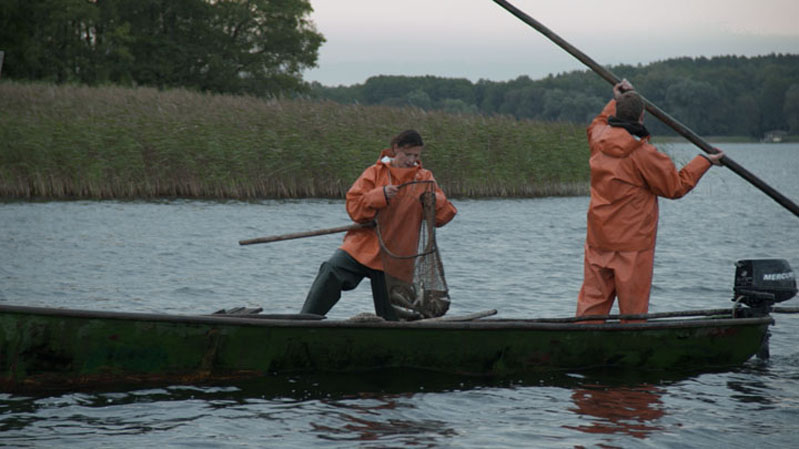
[262, 47]
[719, 96]
[257, 47]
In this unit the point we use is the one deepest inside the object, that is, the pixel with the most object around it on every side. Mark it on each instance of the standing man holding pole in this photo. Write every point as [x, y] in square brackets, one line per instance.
[628, 175]
[654, 110]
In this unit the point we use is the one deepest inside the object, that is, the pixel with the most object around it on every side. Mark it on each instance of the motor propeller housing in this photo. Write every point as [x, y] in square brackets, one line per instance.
[763, 282]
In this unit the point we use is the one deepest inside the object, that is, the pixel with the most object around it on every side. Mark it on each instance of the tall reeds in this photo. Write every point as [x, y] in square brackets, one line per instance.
[69, 142]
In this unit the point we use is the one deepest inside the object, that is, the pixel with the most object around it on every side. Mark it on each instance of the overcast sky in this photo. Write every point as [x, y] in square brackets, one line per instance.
[477, 39]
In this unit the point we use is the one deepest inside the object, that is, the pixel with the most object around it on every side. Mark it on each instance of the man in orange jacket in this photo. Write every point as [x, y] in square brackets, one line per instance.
[628, 175]
[359, 255]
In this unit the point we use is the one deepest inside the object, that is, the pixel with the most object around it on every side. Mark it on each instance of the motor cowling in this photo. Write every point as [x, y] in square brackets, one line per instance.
[763, 282]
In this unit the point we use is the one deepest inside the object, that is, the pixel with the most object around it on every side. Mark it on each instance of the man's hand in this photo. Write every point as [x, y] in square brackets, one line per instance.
[621, 87]
[715, 159]
[390, 191]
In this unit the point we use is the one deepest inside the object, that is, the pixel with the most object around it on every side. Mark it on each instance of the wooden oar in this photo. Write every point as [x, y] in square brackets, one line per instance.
[299, 235]
[654, 110]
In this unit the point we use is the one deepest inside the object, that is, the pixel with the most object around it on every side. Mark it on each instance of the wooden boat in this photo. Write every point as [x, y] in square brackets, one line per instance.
[44, 348]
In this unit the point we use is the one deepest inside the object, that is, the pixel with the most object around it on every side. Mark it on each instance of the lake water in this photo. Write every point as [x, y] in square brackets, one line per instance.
[521, 257]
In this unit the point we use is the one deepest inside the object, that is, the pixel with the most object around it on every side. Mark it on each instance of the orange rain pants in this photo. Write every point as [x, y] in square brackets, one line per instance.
[610, 274]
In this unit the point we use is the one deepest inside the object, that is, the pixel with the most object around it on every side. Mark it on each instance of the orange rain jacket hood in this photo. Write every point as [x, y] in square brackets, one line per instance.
[627, 176]
[366, 197]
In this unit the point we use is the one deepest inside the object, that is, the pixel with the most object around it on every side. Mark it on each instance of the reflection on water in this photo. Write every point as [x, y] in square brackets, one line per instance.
[413, 409]
[364, 420]
[630, 410]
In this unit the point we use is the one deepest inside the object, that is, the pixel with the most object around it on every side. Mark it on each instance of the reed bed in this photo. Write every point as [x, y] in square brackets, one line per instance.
[75, 142]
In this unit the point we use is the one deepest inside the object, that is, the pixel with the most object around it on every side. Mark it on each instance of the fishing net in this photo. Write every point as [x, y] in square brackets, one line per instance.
[411, 261]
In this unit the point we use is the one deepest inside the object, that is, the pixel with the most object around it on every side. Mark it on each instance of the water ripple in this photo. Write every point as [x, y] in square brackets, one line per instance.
[522, 257]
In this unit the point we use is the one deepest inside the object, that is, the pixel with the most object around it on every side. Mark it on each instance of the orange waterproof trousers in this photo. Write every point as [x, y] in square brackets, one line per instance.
[610, 274]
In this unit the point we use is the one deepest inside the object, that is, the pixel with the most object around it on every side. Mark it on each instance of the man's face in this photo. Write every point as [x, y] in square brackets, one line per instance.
[407, 157]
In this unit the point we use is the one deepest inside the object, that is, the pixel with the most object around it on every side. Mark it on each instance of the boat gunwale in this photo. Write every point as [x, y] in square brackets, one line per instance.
[482, 324]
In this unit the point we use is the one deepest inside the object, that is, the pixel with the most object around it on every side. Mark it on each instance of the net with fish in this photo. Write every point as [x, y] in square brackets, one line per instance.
[411, 261]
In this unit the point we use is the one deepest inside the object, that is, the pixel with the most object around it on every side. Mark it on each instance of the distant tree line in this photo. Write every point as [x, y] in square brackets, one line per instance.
[255, 47]
[720, 96]
[261, 48]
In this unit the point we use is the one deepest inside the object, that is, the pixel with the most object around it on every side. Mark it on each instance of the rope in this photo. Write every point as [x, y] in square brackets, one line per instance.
[644, 316]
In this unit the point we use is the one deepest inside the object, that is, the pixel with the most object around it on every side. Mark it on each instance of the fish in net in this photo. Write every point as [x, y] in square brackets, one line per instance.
[412, 264]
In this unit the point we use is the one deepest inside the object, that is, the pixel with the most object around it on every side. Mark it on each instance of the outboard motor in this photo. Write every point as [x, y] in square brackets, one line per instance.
[760, 283]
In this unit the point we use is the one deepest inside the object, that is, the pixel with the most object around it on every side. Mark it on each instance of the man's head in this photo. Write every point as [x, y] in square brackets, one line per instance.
[407, 147]
[407, 138]
[630, 107]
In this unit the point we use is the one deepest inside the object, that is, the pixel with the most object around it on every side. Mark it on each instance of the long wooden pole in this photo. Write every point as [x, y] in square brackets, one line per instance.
[299, 235]
[654, 110]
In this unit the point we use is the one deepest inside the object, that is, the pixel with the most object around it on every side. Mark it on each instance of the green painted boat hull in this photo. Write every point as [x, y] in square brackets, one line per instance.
[61, 348]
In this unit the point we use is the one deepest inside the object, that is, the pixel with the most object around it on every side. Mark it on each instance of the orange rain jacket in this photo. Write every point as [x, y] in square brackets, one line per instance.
[366, 197]
[627, 176]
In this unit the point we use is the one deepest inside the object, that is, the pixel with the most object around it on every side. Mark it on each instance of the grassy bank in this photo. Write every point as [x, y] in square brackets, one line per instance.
[67, 142]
